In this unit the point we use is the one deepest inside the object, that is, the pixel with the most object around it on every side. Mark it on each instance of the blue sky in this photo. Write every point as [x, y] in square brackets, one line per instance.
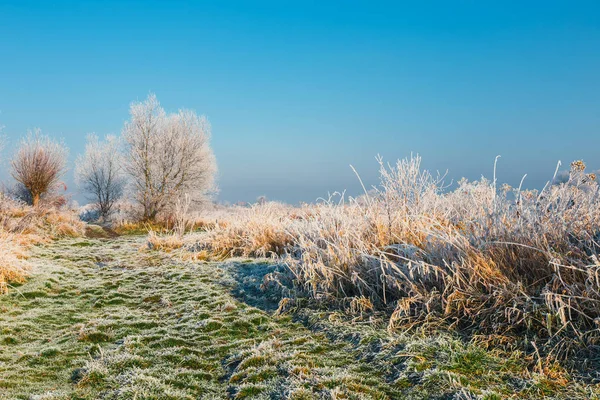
[298, 91]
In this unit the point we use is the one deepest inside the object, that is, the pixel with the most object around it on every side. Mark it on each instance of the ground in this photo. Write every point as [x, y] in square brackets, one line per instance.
[107, 319]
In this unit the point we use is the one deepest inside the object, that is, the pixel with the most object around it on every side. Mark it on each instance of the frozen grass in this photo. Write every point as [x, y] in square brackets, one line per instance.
[13, 267]
[21, 227]
[101, 319]
[166, 243]
[519, 268]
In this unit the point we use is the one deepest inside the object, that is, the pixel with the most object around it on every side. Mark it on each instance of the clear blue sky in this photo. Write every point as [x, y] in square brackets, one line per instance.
[297, 91]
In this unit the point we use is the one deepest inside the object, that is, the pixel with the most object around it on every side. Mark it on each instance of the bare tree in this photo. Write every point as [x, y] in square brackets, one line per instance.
[168, 156]
[39, 164]
[99, 172]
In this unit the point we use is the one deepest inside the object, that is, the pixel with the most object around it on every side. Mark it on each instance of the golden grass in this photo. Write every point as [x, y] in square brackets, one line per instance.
[256, 232]
[127, 227]
[13, 267]
[479, 258]
[23, 226]
[164, 242]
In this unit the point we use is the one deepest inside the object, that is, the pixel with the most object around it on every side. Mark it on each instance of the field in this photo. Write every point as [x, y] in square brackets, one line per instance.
[99, 318]
[412, 290]
[227, 200]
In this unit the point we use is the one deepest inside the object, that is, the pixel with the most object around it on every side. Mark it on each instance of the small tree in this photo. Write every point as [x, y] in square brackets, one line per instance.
[99, 172]
[39, 164]
[168, 156]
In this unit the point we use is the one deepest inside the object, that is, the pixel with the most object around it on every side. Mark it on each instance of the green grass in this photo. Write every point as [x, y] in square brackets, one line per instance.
[105, 320]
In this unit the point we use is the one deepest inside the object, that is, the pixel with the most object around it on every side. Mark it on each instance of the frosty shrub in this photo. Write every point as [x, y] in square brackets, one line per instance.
[39, 164]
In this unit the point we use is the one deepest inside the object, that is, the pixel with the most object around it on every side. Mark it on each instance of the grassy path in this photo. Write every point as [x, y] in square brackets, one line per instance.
[100, 319]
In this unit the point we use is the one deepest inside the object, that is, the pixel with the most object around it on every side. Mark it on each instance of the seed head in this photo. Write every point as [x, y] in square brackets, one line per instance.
[578, 166]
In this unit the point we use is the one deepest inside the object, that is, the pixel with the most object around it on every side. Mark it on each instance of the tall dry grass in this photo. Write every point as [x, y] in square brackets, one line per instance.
[13, 267]
[479, 258]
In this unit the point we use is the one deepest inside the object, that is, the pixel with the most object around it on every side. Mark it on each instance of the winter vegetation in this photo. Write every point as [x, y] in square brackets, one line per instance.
[168, 157]
[415, 289]
[23, 226]
[160, 166]
[99, 172]
[33, 212]
[480, 258]
[508, 268]
[39, 165]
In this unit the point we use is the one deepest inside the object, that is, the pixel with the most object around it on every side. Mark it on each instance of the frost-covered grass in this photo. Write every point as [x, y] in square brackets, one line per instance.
[22, 226]
[13, 267]
[514, 267]
[101, 319]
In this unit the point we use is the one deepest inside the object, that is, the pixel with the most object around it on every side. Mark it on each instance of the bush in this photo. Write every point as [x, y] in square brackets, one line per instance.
[39, 165]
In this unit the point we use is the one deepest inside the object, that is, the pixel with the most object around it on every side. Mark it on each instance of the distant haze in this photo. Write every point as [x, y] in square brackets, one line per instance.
[298, 91]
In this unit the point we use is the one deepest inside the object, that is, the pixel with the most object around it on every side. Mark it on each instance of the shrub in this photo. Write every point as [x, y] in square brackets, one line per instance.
[39, 164]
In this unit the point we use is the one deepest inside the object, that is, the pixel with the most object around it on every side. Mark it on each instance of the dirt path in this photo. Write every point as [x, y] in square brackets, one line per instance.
[100, 319]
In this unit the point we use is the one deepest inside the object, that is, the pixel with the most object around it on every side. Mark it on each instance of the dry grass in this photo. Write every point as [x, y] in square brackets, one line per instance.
[23, 226]
[165, 243]
[256, 232]
[13, 267]
[479, 258]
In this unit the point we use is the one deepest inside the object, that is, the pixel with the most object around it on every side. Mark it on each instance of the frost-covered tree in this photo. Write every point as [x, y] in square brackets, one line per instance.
[99, 172]
[39, 164]
[167, 156]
